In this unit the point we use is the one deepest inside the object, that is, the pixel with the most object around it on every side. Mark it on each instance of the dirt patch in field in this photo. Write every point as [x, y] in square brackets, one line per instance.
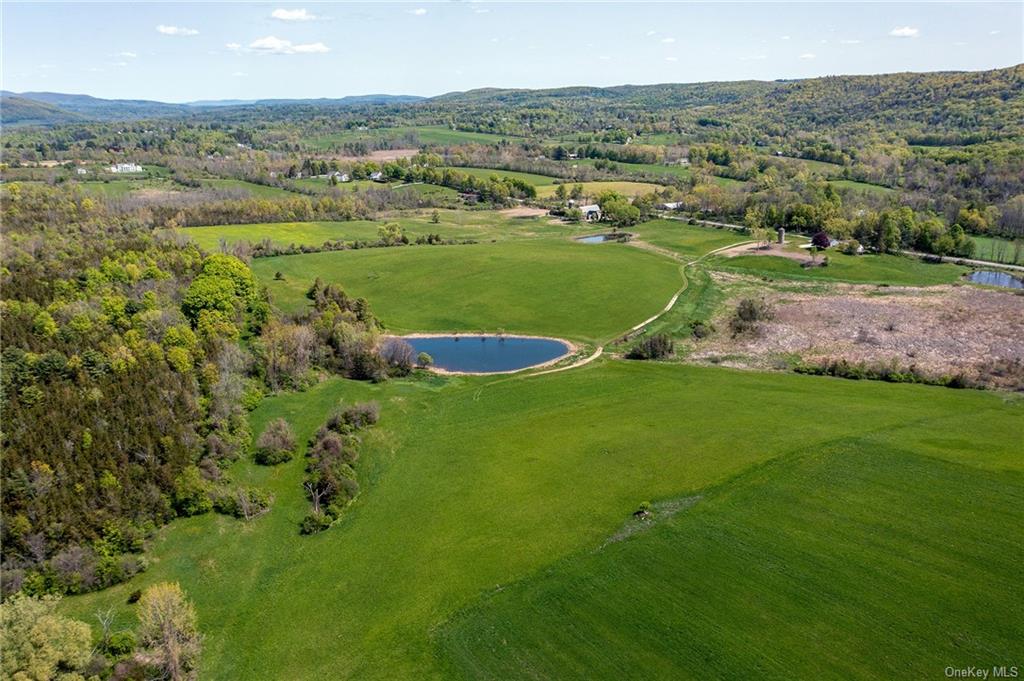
[523, 212]
[774, 249]
[942, 330]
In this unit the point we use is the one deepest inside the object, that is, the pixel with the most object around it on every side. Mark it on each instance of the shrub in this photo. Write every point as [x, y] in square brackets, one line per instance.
[134, 596]
[314, 522]
[424, 360]
[121, 643]
[275, 444]
[657, 346]
[701, 330]
[851, 247]
[749, 313]
[821, 240]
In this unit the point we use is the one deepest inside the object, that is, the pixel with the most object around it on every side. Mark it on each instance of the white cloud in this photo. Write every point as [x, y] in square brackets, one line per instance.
[668, 41]
[849, 42]
[274, 45]
[239, 74]
[119, 63]
[756, 57]
[419, 11]
[127, 55]
[785, 37]
[481, 11]
[604, 57]
[650, 33]
[234, 47]
[904, 32]
[995, 32]
[671, 58]
[176, 30]
[292, 15]
[959, 43]
[808, 55]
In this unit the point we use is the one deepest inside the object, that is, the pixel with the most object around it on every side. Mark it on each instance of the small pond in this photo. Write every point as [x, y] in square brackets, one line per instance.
[597, 238]
[990, 278]
[488, 354]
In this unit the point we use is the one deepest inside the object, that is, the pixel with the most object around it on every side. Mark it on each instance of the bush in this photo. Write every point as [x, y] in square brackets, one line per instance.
[121, 643]
[701, 330]
[749, 313]
[276, 443]
[657, 346]
[134, 596]
[314, 522]
[424, 360]
[242, 502]
[821, 240]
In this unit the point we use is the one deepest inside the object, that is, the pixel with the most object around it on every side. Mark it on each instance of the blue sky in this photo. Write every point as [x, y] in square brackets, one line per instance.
[189, 51]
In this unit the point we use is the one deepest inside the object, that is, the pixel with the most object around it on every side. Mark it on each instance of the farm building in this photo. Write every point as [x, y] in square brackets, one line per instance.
[340, 176]
[591, 212]
[126, 168]
[377, 176]
[673, 205]
[81, 171]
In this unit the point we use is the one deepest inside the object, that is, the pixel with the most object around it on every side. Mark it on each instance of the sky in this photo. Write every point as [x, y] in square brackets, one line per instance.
[187, 51]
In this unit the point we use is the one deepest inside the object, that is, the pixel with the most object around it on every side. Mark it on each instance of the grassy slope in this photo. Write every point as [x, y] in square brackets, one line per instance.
[548, 287]
[487, 482]
[452, 224]
[864, 269]
[997, 250]
[592, 189]
[657, 170]
[833, 563]
[529, 178]
[684, 239]
[853, 185]
[258, 191]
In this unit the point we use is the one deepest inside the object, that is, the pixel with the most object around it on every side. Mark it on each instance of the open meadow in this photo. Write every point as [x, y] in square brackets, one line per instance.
[478, 548]
[541, 286]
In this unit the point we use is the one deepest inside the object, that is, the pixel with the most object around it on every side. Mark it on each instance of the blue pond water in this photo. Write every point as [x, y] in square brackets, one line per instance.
[595, 239]
[996, 279]
[487, 354]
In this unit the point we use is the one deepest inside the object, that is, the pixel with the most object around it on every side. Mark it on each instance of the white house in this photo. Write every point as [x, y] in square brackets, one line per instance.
[377, 176]
[672, 205]
[81, 171]
[126, 168]
[340, 176]
[591, 212]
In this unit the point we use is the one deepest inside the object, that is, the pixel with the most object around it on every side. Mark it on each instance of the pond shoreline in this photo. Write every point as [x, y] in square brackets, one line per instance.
[571, 348]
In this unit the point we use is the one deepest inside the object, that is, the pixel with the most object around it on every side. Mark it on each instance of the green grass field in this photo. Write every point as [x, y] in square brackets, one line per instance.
[864, 187]
[686, 240]
[259, 191]
[592, 189]
[438, 135]
[657, 170]
[452, 224]
[998, 250]
[540, 286]
[860, 269]
[529, 178]
[845, 530]
[833, 562]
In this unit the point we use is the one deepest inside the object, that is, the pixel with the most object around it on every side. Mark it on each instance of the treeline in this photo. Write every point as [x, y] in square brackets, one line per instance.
[129, 362]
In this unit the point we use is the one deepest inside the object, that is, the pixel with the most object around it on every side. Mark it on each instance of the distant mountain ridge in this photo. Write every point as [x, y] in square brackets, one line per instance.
[54, 108]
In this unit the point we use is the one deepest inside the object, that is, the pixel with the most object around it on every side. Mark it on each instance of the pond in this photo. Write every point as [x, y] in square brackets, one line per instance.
[990, 278]
[596, 238]
[488, 354]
